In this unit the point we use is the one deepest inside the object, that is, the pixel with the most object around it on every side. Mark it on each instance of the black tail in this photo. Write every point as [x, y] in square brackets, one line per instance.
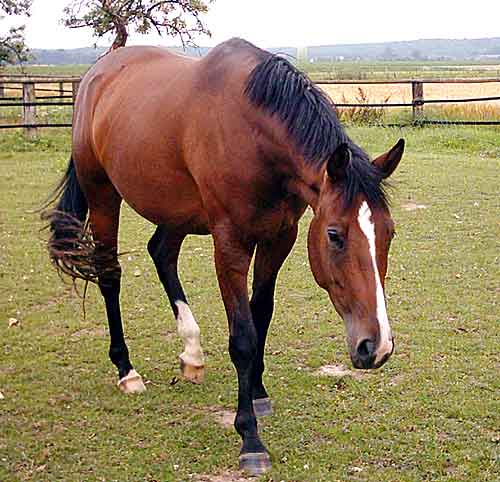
[70, 246]
[71, 199]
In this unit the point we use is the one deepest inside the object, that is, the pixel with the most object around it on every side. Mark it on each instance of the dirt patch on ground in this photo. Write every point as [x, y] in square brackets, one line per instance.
[397, 380]
[413, 206]
[169, 335]
[60, 298]
[339, 371]
[222, 416]
[89, 332]
[228, 476]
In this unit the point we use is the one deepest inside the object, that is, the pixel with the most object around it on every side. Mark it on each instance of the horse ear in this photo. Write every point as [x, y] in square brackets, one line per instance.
[338, 162]
[388, 162]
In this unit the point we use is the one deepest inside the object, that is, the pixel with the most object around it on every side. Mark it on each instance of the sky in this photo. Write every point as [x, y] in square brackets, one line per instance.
[280, 23]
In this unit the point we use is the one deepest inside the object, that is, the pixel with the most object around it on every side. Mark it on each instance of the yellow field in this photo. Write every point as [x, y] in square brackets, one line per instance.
[402, 92]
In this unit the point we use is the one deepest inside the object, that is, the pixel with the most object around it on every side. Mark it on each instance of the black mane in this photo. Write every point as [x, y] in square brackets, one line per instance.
[276, 86]
[362, 177]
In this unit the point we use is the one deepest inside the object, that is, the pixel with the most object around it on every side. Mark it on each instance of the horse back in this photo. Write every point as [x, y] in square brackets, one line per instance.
[177, 137]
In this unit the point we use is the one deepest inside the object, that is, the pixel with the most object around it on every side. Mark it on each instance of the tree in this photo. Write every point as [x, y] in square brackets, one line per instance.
[417, 54]
[12, 44]
[389, 53]
[180, 18]
[16, 7]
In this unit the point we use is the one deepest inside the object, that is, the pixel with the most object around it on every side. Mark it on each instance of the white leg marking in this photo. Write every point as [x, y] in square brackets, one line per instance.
[189, 331]
[368, 228]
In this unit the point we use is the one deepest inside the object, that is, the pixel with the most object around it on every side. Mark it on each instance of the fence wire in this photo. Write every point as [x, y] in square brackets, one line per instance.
[53, 110]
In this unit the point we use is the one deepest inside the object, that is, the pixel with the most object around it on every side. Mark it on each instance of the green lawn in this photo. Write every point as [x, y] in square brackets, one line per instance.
[432, 413]
[348, 69]
[401, 69]
[70, 69]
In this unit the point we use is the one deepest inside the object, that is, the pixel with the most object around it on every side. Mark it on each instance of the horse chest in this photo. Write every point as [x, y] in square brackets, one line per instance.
[284, 213]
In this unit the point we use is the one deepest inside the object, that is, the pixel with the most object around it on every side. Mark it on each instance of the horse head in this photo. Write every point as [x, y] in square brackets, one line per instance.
[348, 244]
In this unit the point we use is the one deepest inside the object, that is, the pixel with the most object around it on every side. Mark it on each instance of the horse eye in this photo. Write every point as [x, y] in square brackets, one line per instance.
[335, 238]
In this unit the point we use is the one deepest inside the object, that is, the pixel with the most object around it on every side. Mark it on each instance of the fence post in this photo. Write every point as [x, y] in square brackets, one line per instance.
[75, 85]
[2, 90]
[61, 89]
[417, 92]
[29, 111]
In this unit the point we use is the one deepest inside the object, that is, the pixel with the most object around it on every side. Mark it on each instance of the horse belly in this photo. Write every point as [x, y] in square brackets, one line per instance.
[173, 201]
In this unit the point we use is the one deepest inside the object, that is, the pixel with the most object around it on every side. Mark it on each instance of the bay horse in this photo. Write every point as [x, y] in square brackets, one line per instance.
[236, 145]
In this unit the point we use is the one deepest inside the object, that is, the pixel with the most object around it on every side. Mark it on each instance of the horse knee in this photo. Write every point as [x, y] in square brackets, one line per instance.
[262, 304]
[156, 243]
[243, 347]
[153, 246]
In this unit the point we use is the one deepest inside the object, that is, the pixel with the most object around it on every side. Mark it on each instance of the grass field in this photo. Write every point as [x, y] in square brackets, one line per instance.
[430, 414]
[393, 69]
[70, 69]
[401, 69]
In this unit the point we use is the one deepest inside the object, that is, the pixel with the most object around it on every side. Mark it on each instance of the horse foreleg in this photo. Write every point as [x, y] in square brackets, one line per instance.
[164, 249]
[269, 258]
[104, 220]
[232, 260]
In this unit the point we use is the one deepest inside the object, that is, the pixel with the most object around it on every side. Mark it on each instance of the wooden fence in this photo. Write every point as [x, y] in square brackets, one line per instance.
[55, 91]
[63, 90]
[418, 100]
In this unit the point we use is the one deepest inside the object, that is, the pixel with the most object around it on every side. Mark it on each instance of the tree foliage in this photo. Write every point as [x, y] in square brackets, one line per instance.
[16, 7]
[180, 18]
[13, 46]
[12, 43]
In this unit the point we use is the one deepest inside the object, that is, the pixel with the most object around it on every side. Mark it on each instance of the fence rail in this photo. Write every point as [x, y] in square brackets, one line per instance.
[64, 94]
[418, 101]
[29, 101]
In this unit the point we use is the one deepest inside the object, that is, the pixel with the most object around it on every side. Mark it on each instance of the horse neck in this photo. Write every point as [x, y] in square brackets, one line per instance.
[304, 178]
[306, 182]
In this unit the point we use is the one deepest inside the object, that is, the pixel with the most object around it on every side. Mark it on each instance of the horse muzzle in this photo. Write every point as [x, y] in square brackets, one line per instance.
[368, 356]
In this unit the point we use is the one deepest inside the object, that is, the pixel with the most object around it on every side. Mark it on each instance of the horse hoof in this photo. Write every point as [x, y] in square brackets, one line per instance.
[191, 373]
[132, 383]
[262, 407]
[255, 463]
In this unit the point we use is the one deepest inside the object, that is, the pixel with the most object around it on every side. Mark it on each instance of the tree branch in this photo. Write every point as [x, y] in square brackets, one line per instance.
[180, 18]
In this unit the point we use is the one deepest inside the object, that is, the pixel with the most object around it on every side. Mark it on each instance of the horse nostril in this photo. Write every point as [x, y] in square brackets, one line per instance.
[366, 350]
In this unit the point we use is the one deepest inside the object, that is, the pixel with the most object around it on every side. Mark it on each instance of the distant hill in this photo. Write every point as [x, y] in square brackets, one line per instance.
[87, 55]
[430, 49]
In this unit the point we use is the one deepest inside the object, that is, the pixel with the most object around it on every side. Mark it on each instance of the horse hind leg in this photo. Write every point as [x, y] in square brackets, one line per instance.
[164, 249]
[104, 220]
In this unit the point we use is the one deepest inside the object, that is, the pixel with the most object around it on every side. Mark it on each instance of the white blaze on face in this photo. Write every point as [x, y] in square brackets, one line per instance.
[189, 331]
[368, 229]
